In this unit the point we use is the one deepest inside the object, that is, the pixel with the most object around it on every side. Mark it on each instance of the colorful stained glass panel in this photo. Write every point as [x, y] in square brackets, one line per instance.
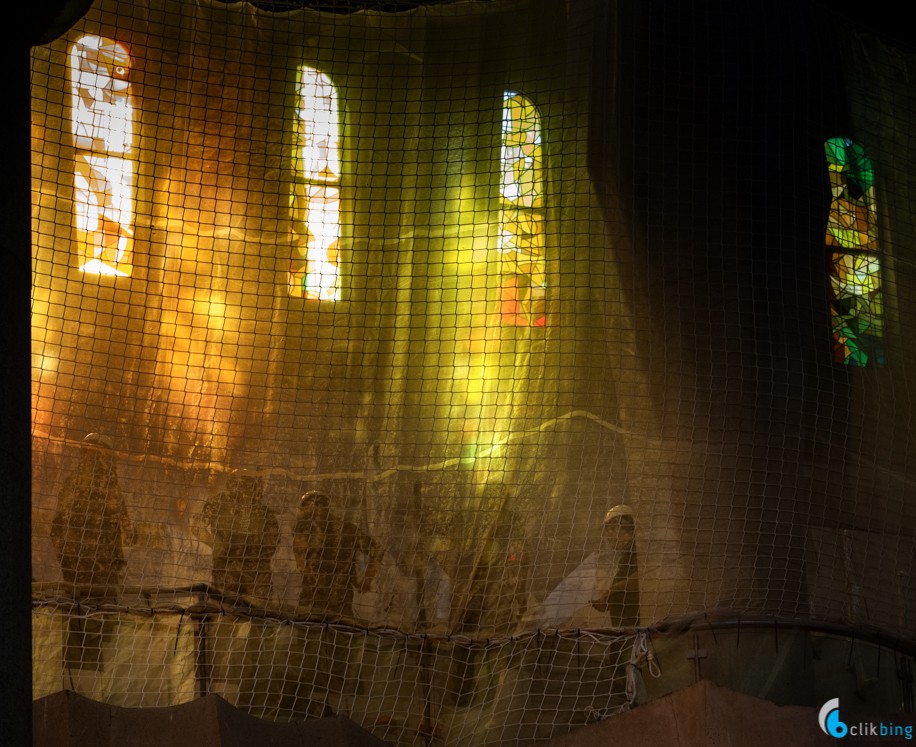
[522, 182]
[522, 229]
[855, 274]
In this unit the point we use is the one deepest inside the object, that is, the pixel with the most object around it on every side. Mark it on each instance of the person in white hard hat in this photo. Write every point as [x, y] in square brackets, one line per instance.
[603, 590]
[617, 557]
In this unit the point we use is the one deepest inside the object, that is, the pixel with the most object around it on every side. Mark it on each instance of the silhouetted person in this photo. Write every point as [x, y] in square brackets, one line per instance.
[606, 582]
[327, 550]
[435, 592]
[244, 535]
[498, 593]
[91, 525]
[619, 593]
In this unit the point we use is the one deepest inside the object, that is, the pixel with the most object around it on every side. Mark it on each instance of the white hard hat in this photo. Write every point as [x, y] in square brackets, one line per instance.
[618, 512]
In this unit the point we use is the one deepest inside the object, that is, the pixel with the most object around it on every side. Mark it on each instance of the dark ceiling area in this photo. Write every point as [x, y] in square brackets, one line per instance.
[880, 18]
[345, 6]
[49, 19]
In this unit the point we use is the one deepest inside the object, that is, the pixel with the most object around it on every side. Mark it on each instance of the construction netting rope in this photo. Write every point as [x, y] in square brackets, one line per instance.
[412, 363]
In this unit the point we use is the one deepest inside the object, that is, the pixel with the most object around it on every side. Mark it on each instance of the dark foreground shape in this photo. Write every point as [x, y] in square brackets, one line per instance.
[703, 715]
[66, 718]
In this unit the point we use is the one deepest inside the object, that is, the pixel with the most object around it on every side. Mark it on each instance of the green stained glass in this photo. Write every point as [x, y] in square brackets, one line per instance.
[870, 312]
[857, 326]
[857, 310]
[835, 149]
[856, 356]
[847, 154]
[847, 347]
[848, 157]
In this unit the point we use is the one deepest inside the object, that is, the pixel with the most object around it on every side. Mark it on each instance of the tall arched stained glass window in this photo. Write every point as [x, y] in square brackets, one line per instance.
[315, 267]
[522, 215]
[856, 299]
[102, 115]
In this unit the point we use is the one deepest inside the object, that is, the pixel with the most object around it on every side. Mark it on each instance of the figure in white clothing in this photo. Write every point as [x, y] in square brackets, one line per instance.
[604, 589]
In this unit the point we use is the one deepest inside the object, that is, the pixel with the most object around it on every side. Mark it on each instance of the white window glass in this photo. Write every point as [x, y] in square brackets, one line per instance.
[102, 128]
[315, 267]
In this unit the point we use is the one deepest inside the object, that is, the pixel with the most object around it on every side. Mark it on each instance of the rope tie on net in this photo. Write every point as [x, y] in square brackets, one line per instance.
[642, 649]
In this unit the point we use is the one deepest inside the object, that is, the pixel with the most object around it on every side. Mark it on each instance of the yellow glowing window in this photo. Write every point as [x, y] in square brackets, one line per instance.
[522, 225]
[315, 203]
[854, 258]
[103, 177]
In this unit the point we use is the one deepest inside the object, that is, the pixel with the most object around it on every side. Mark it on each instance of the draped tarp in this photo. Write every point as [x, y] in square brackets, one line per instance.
[437, 432]
[373, 316]
[98, 654]
[67, 718]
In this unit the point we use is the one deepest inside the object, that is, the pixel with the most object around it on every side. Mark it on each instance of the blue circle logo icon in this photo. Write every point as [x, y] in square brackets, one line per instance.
[829, 719]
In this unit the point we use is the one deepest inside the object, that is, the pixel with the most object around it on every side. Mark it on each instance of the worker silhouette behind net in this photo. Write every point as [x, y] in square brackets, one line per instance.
[618, 594]
[336, 559]
[603, 591]
[91, 526]
[244, 534]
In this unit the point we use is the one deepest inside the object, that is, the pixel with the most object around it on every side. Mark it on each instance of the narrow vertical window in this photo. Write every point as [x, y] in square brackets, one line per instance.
[522, 215]
[856, 299]
[102, 125]
[315, 202]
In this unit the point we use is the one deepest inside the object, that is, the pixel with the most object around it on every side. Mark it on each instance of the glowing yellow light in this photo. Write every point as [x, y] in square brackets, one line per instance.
[44, 363]
[520, 239]
[103, 180]
[315, 271]
[98, 267]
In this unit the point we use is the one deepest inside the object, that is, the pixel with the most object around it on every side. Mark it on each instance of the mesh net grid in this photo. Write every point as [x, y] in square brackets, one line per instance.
[425, 365]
